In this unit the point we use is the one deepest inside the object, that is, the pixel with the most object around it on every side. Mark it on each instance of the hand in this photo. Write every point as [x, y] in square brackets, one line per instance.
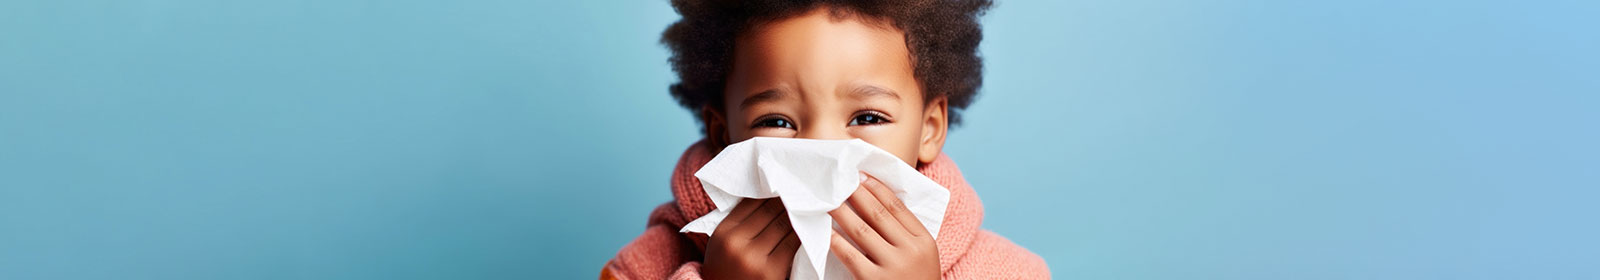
[894, 245]
[755, 241]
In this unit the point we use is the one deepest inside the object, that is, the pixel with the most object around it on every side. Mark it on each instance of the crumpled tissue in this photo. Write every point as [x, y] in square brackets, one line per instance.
[812, 177]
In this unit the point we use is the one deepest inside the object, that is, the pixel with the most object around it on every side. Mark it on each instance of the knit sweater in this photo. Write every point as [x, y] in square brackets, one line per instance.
[965, 251]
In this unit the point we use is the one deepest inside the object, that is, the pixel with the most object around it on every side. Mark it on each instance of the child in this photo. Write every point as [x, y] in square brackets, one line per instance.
[892, 73]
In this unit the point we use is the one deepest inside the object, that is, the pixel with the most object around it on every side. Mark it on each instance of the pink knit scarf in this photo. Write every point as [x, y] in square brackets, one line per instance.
[663, 252]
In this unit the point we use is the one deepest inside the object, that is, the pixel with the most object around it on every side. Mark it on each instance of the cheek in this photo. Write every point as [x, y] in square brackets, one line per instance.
[738, 132]
[901, 140]
[767, 132]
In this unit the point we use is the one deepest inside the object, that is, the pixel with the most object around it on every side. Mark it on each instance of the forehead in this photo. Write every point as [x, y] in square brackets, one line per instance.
[820, 52]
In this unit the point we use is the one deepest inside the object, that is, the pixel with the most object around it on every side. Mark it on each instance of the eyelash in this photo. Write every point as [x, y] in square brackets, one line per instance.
[859, 119]
[880, 116]
[773, 122]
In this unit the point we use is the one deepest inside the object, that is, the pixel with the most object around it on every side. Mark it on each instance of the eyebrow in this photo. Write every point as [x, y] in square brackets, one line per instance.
[869, 91]
[761, 97]
[859, 92]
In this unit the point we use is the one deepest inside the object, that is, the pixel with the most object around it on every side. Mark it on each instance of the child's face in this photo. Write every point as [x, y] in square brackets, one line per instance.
[820, 77]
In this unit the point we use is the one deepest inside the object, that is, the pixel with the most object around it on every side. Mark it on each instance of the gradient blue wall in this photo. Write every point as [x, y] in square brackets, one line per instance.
[493, 139]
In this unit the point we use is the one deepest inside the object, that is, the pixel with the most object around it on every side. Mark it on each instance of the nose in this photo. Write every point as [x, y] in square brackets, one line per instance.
[825, 131]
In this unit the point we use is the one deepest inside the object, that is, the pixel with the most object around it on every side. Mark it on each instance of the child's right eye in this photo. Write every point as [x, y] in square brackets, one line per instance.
[774, 123]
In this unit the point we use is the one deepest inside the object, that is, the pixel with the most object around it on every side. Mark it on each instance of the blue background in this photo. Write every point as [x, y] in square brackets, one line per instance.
[496, 139]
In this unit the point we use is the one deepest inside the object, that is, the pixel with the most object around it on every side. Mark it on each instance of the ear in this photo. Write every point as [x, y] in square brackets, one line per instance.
[935, 124]
[716, 127]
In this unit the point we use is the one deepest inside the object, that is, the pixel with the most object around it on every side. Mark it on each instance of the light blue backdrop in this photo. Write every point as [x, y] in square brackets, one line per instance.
[493, 139]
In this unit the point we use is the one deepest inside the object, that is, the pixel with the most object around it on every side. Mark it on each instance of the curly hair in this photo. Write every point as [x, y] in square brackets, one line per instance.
[942, 36]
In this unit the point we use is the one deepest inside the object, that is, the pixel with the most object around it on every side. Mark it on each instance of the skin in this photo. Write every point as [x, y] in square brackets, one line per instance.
[826, 75]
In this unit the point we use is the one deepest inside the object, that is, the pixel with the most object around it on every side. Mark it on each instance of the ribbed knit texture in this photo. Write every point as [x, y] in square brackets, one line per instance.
[965, 251]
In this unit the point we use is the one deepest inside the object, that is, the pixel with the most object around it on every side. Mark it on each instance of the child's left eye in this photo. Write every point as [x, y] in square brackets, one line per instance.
[868, 118]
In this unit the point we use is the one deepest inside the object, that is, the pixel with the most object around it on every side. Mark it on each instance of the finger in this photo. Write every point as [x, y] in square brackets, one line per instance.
[851, 225]
[773, 233]
[898, 208]
[738, 214]
[852, 258]
[871, 210]
[761, 217]
[786, 248]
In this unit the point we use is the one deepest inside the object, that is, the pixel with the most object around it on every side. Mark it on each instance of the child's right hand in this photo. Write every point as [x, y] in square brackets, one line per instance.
[755, 241]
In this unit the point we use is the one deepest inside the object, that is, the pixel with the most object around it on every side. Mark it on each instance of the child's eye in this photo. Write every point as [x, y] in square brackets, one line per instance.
[774, 123]
[868, 118]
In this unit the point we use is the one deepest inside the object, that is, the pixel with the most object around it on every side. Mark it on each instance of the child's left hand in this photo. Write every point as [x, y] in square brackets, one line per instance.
[894, 245]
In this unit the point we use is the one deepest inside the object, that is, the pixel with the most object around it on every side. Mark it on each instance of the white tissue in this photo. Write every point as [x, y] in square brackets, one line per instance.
[813, 177]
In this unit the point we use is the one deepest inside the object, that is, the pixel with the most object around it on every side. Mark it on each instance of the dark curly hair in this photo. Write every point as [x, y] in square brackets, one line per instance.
[942, 36]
